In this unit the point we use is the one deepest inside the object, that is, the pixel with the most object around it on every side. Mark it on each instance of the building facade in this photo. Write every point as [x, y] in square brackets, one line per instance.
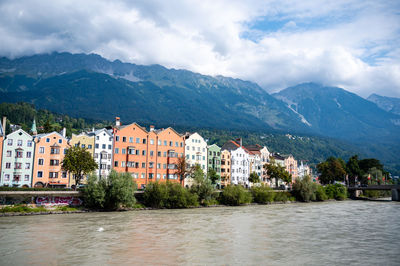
[103, 151]
[240, 167]
[2, 133]
[17, 159]
[291, 166]
[214, 160]
[49, 153]
[196, 153]
[225, 168]
[83, 140]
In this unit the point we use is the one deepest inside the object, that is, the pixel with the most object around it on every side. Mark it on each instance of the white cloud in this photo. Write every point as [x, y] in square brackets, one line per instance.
[353, 44]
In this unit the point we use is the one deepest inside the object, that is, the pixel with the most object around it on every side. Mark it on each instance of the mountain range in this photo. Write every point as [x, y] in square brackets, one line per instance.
[93, 87]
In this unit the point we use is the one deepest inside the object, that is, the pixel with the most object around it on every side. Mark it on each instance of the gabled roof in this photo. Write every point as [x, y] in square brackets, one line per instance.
[43, 135]
[230, 146]
[159, 131]
[97, 132]
[134, 123]
[277, 156]
[19, 131]
[253, 147]
[215, 145]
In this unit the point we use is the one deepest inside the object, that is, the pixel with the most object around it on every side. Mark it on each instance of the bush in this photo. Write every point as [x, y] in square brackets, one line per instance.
[117, 191]
[336, 191]
[235, 195]
[305, 189]
[33, 189]
[23, 209]
[168, 195]
[282, 197]
[204, 190]
[263, 194]
[320, 193]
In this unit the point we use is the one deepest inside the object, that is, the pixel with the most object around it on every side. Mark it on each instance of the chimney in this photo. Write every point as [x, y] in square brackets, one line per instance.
[64, 132]
[117, 122]
[92, 129]
[151, 128]
[241, 144]
[4, 124]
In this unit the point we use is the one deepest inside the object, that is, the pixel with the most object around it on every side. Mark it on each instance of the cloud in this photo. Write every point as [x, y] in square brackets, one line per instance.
[352, 44]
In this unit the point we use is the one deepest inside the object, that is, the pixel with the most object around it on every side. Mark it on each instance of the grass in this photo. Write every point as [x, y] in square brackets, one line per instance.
[22, 209]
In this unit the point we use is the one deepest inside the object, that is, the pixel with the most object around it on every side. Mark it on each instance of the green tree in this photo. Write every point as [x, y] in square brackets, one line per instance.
[47, 126]
[202, 186]
[212, 175]
[305, 190]
[353, 169]
[333, 169]
[182, 169]
[254, 178]
[277, 172]
[79, 162]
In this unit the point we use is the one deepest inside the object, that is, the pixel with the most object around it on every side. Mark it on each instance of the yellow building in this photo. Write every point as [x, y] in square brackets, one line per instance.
[225, 168]
[84, 140]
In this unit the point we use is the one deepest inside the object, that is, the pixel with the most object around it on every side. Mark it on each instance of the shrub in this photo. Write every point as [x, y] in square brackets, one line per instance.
[118, 191]
[320, 193]
[263, 194]
[336, 191]
[204, 190]
[282, 196]
[23, 209]
[305, 189]
[168, 195]
[235, 195]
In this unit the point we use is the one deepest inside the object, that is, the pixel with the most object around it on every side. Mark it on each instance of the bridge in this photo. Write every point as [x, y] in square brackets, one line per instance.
[394, 188]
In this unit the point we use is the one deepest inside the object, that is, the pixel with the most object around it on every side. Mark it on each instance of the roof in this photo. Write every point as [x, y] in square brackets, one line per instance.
[39, 136]
[277, 156]
[233, 145]
[253, 147]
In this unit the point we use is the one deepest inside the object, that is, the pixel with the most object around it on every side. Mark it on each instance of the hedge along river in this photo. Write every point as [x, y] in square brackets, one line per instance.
[326, 233]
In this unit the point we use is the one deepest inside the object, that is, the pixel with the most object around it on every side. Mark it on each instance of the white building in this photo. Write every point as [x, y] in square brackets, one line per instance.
[195, 153]
[17, 159]
[103, 151]
[240, 167]
[303, 170]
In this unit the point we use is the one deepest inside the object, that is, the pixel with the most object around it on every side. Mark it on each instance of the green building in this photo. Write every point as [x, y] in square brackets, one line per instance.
[214, 159]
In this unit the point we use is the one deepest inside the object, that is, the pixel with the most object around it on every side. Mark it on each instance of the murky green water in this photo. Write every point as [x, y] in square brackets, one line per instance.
[331, 233]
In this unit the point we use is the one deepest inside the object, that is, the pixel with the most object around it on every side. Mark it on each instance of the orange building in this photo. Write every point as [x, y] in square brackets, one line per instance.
[148, 156]
[49, 154]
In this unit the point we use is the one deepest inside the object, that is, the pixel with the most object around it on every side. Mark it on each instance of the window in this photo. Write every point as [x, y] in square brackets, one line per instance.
[204, 158]
[123, 139]
[41, 150]
[151, 176]
[176, 144]
[29, 143]
[55, 151]
[17, 178]
[131, 151]
[122, 164]
[144, 141]
[53, 174]
[165, 143]
[131, 139]
[27, 165]
[151, 153]
[151, 165]
[164, 176]
[54, 162]
[137, 152]
[19, 142]
[9, 153]
[26, 178]
[10, 142]
[39, 174]
[96, 146]
[193, 148]
[165, 166]
[158, 166]
[109, 146]
[143, 165]
[76, 145]
[18, 154]
[192, 157]
[89, 146]
[188, 148]
[6, 177]
[116, 150]
[40, 161]
[96, 155]
[60, 141]
[123, 151]
[143, 176]
[97, 137]
[116, 164]
[65, 151]
[187, 157]
[8, 165]
[171, 143]
[18, 166]
[109, 156]
[151, 141]
[47, 139]
[137, 140]
[103, 146]
[158, 176]
[64, 174]
[181, 144]
[28, 154]
[165, 154]
[83, 146]
[116, 138]
[210, 153]
[159, 142]
[143, 152]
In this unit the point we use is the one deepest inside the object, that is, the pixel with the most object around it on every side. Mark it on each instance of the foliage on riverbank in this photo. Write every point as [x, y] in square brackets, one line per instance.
[33, 189]
[235, 195]
[115, 192]
[22, 209]
[169, 195]
[305, 190]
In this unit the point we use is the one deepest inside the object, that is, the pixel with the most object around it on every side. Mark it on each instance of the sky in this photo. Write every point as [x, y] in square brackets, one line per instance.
[353, 44]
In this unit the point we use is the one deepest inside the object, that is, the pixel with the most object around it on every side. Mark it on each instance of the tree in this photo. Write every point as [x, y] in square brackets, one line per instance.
[202, 186]
[47, 127]
[254, 178]
[353, 169]
[182, 169]
[79, 162]
[276, 171]
[212, 175]
[333, 169]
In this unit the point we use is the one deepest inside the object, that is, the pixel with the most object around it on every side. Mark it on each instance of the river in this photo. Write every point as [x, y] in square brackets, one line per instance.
[328, 233]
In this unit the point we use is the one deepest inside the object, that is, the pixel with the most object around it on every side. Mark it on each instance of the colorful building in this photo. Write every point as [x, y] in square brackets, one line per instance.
[2, 133]
[291, 166]
[214, 160]
[149, 156]
[85, 141]
[17, 159]
[225, 168]
[196, 153]
[49, 154]
[240, 163]
[103, 151]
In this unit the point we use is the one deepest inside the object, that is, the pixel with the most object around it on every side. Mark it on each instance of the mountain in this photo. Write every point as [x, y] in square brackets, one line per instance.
[334, 112]
[93, 87]
[389, 104]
